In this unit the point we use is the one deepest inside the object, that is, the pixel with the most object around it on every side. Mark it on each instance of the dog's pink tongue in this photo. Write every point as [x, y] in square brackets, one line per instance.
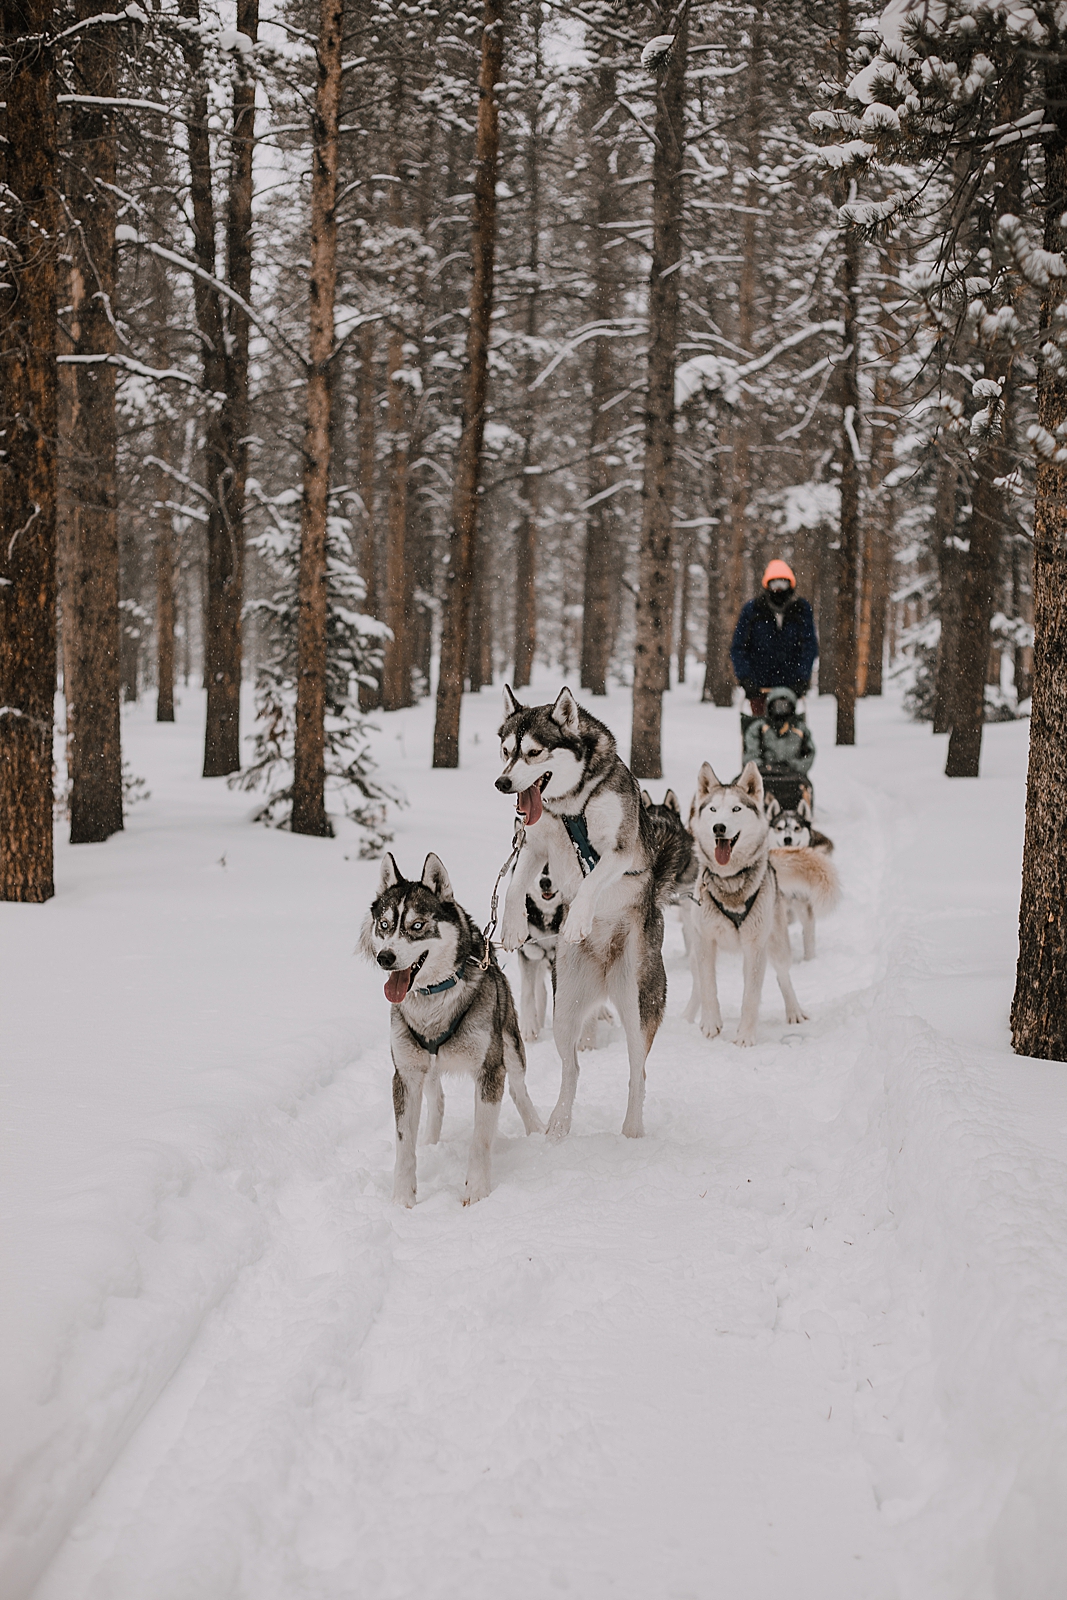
[723, 847]
[529, 803]
[397, 985]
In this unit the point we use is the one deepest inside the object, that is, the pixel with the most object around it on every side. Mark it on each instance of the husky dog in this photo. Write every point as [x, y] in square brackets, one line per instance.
[583, 812]
[739, 905]
[806, 876]
[670, 831]
[537, 957]
[793, 829]
[460, 1018]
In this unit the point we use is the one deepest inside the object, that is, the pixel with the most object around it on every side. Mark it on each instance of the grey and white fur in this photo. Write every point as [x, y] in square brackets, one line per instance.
[806, 875]
[417, 933]
[537, 957]
[738, 905]
[561, 762]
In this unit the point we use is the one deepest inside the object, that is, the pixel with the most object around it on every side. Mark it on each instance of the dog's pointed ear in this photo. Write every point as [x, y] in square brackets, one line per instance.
[435, 878]
[565, 712]
[670, 800]
[706, 781]
[389, 874]
[751, 783]
[803, 809]
[646, 799]
[771, 805]
[511, 705]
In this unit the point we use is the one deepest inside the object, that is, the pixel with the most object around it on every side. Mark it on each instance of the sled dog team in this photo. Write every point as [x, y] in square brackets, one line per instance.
[597, 865]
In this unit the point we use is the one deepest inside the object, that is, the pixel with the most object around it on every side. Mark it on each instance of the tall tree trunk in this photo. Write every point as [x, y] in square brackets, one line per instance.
[988, 509]
[309, 767]
[1039, 1008]
[743, 431]
[718, 673]
[224, 342]
[655, 598]
[396, 678]
[525, 629]
[369, 697]
[600, 566]
[685, 555]
[948, 590]
[463, 542]
[91, 664]
[28, 399]
[848, 553]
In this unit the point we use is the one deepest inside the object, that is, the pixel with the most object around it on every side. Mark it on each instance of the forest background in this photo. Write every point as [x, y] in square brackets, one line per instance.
[369, 350]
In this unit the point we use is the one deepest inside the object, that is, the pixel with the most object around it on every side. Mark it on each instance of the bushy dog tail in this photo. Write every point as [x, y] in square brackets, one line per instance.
[673, 860]
[808, 875]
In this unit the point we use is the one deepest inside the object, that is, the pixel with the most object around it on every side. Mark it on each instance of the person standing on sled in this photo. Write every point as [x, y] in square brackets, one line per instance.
[774, 642]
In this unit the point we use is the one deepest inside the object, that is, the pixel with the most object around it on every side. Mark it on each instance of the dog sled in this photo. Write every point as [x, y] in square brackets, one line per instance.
[787, 780]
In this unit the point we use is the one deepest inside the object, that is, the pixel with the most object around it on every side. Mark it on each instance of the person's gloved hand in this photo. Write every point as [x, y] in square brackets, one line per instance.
[751, 690]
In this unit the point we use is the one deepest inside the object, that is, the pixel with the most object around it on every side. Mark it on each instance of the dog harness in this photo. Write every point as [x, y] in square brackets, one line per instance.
[579, 836]
[738, 917]
[431, 1046]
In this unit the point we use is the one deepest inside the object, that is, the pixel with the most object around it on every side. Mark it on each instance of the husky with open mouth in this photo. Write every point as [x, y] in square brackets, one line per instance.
[806, 875]
[583, 814]
[537, 957]
[452, 1012]
[738, 903]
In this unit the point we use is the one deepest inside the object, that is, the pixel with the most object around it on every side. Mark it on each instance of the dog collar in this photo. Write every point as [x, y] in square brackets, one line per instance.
[439, 988]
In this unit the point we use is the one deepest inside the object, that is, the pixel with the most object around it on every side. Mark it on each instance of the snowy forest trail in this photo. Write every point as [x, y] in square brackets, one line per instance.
[736, 1358]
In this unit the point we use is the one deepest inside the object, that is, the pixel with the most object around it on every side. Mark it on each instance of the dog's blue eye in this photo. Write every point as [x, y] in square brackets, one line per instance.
[416, 927]
[737, 808]
[383, 925]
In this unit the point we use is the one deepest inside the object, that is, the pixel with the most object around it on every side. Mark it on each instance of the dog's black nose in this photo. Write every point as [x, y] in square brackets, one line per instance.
[546, 885]
[386, 958]
[504, 785]
[720, 827]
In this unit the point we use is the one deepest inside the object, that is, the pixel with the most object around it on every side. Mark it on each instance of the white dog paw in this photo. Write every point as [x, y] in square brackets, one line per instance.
[795, 1016]
[475, 1191]
[711, 1030]
[744, 1039]
[577, 928]
[559, 1125]
[404, 1196]
[514, 931]
[530, 1034]
[633, 1127]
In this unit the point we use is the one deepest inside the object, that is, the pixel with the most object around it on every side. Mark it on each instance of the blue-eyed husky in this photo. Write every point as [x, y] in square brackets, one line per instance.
[452, 1012]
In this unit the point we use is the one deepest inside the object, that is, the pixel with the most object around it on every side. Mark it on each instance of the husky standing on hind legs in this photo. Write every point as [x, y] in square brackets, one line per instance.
[583, 814]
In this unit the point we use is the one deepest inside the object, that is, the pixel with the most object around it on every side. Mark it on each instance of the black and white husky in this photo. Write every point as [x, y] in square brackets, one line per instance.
[806, 875]
[452, 1012]
[738, 904]
[584, 815]
[537, 957]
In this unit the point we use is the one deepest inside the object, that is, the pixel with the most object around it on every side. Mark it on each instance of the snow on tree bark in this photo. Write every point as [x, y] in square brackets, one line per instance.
[91, 634]
[28, 538]
[655, 598]
[463, 539]
[309, 772]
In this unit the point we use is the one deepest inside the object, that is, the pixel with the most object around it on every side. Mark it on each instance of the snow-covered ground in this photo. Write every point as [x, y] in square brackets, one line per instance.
[805, 1340]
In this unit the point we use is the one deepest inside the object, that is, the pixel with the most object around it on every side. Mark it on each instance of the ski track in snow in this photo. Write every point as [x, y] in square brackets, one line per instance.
[804, 1339]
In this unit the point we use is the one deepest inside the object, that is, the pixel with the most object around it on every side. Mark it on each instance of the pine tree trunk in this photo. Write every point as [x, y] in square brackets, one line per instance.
[224, 340]
[309, 770]
[92, 639]
[525, 613]
[948, 592]
[369, 698]
[599, 599]
[1039, 1008]
[978, 588]
[28, 399]
[396, 678]
[463, 542]
[848, 553]
[682, 615]
[655, 598]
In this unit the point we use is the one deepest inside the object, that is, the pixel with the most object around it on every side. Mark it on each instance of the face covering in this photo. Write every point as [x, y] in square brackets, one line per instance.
[780, 597]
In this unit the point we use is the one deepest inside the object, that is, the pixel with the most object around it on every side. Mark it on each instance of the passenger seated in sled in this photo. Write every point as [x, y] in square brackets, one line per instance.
[780, 744]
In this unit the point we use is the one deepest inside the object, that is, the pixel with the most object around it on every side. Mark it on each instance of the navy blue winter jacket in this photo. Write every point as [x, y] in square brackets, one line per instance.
[772, 647]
